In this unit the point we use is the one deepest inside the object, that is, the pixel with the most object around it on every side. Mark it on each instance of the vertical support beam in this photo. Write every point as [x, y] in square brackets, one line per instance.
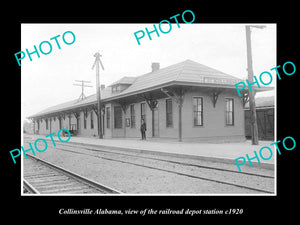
[180, 101]
[33, 126]
[124, 106]
[152, 103]
[46, 124]
[59, 121]
[180, 120]
[78, 123]
[96, 110]
[38, 126]
[97, 62]
[77, 116]
[103, 120]
[178, 96]
[99, 109]
[100, 116]
[153, 130]
[254, 128]
[69, 121]
[50, 119]
[85, 113]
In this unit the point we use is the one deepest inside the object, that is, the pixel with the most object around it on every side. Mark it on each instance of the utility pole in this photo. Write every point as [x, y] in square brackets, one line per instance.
[254, 128]
[96, 63]
[82, 96]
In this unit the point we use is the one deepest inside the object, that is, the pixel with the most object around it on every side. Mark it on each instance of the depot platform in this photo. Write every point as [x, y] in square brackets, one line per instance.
[216, 152]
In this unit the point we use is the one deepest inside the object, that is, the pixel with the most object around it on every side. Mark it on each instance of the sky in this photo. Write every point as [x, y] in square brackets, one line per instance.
[48, 80]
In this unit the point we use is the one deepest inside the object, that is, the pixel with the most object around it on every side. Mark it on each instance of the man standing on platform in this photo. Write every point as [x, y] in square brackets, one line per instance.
[143, 129]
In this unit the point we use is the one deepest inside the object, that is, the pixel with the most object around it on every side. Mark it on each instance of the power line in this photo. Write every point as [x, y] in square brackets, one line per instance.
[82, 96]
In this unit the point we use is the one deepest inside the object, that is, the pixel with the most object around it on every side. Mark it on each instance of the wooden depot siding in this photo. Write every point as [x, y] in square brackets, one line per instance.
[214, 119]
[214, 126]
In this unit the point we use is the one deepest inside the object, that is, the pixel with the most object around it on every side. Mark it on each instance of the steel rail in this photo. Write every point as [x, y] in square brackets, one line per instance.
[77, 177]
[170, 161]
[29, 187]
[174, 172]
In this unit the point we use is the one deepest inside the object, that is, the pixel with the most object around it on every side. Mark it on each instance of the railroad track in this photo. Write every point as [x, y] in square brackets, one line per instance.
[130, 158]
[116, 152]
[118, 156]
[41, 177]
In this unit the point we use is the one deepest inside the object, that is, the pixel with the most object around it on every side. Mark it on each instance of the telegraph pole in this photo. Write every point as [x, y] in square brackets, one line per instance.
[96, 63]
[82, 96]
[254, 128]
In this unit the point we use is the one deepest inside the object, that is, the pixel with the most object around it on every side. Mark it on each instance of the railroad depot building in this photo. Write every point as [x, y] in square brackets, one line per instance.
[186, 101]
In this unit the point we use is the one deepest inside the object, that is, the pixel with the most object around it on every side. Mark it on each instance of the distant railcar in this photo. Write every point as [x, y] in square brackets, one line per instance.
[265, 118]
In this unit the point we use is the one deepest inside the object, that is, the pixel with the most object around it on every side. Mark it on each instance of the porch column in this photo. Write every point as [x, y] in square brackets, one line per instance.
[100, 125]
[177, 94]
[59, 121]
[69, 121]
[77, 116]
[152, 103]
[50, 119]
[33, 126]
[38, 126]
[179, 102]
[124, 105]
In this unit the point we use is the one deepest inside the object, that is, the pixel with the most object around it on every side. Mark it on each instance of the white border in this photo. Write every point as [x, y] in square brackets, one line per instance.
[210, 194]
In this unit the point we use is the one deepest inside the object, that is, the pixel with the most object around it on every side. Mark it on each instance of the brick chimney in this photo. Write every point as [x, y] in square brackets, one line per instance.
[155, 66]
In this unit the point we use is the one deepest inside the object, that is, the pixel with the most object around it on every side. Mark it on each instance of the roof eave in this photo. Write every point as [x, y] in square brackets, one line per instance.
[171, 83]
[121, 95]
[63, 110]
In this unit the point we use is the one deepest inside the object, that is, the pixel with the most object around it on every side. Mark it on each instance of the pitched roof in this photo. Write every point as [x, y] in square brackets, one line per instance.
[124, 80]
[92, 99]
[187, 72]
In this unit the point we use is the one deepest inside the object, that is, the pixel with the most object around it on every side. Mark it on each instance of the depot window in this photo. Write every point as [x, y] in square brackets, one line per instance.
[169, 113]
[229, 111]
[198, 111]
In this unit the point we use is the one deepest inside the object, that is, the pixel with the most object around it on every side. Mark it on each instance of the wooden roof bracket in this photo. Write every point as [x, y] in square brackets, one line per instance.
[85, 113]
[215, 95]
[124, 106]
[166, 92]
[245, 98]
[95, 108]
[178, 97]
[152, 103]
[76, 114]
